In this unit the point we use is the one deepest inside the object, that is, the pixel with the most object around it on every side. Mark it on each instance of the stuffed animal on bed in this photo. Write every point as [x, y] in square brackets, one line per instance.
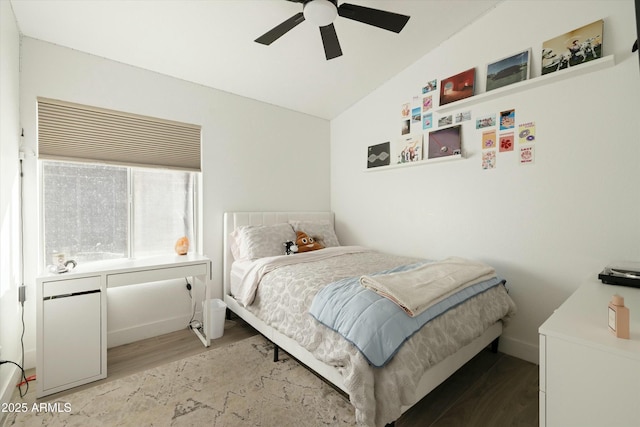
[307, 243]
[290, 247]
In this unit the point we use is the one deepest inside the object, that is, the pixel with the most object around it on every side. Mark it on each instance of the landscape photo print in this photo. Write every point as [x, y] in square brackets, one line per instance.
[512, 69]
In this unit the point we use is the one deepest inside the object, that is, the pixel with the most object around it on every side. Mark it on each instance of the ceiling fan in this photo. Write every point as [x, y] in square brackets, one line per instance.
[324, 12]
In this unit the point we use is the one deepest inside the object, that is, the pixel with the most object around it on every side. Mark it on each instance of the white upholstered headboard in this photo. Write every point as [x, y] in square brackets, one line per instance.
[232, 220]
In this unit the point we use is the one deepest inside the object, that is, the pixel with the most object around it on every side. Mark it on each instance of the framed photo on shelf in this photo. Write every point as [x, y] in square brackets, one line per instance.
[457, 87]
[378, 155]
[509, 70]
[445, 142]
[573, 48]
[410, 149]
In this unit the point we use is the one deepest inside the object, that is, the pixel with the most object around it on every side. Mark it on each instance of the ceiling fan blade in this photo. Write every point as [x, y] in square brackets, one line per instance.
[376, 17]
[276, 32]
[330, 41]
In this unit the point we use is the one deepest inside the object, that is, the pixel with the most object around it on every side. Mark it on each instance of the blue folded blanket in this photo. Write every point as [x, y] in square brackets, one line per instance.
[374, 324]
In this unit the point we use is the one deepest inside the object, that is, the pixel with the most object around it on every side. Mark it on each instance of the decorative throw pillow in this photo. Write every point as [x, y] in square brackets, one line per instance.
[320, 230]
[252, 242]
[307, 243]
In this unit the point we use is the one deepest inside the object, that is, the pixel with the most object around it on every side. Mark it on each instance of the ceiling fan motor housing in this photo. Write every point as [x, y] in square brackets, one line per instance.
[320, 12]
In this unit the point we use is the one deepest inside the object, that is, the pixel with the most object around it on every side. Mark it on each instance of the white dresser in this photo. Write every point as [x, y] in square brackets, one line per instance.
[588, 377]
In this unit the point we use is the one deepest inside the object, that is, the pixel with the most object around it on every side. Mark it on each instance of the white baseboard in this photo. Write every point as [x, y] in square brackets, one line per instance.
[520, 349]
[148, 330]
[29, 359]
[8, 387]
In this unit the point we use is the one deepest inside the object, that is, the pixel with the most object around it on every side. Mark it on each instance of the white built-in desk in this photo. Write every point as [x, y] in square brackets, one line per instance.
[588, 377]
[71, 315]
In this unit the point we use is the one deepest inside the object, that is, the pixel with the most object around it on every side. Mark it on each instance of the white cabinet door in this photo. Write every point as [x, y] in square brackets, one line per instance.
[72, 340]
[587, 387]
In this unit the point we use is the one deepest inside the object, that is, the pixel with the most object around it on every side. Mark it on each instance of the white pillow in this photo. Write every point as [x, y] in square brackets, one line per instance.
[320, 230]
[252, 242]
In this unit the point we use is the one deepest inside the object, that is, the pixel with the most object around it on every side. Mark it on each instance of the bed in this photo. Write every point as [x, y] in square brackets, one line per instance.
[278, 307]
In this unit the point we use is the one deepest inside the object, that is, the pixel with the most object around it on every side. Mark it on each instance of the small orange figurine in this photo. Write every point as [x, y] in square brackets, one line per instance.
[182, 246]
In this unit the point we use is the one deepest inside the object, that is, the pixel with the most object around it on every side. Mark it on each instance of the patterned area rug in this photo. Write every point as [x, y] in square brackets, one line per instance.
[235, 385]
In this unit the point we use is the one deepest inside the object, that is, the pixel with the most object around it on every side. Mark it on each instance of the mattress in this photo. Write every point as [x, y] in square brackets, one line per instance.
[284, 295]
[238, 271]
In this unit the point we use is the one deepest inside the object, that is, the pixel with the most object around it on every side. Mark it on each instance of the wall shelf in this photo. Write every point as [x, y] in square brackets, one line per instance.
[589, 67]
[418, 163]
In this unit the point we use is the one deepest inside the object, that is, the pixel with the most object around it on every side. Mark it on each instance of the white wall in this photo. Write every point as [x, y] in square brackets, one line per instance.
[255, 157]
[546, 227]
[10, 326]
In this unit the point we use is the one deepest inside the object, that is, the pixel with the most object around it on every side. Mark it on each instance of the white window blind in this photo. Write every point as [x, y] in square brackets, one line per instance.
[68, 131]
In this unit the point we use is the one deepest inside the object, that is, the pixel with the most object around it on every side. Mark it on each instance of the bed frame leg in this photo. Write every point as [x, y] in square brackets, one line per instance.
[275, 352]
[494, 345]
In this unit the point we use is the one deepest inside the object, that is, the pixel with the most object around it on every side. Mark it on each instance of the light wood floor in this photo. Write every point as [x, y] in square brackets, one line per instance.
[491, 390]
[138, 356]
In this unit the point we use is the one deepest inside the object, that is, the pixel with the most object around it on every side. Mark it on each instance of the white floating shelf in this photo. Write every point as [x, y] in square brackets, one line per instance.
[589, 67]
[418, 163]
[557, 76]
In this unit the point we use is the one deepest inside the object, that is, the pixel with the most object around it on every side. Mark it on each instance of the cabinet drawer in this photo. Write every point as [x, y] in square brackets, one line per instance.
[70, 286]
[155, 274]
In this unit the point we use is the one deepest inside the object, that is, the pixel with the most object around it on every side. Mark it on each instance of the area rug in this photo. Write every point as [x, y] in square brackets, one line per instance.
[234, 385]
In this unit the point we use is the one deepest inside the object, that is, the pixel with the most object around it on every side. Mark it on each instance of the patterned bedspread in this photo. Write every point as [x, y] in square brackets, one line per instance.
[284, 296]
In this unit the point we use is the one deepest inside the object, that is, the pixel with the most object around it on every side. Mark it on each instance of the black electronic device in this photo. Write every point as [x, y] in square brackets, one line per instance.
[622, 275]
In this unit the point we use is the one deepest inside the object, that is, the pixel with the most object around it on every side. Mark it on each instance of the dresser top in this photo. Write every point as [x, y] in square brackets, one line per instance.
[583, 319]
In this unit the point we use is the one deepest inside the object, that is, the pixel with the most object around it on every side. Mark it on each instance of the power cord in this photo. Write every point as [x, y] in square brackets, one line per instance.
[2, 362]
[22, 353]
[24, 377]
[193, 324]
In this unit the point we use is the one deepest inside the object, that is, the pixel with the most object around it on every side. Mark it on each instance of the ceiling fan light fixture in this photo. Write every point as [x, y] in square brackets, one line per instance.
[323, 12]
[320, 12]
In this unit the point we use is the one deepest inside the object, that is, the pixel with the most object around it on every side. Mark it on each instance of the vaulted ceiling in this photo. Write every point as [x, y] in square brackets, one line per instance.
[211, 42]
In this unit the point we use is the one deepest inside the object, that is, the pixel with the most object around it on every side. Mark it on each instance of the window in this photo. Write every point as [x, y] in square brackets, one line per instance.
[163, 210]
[97, 212]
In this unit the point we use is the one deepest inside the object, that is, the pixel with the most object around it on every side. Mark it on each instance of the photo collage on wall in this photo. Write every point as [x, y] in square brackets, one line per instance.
[418, 122]
[498, 132]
